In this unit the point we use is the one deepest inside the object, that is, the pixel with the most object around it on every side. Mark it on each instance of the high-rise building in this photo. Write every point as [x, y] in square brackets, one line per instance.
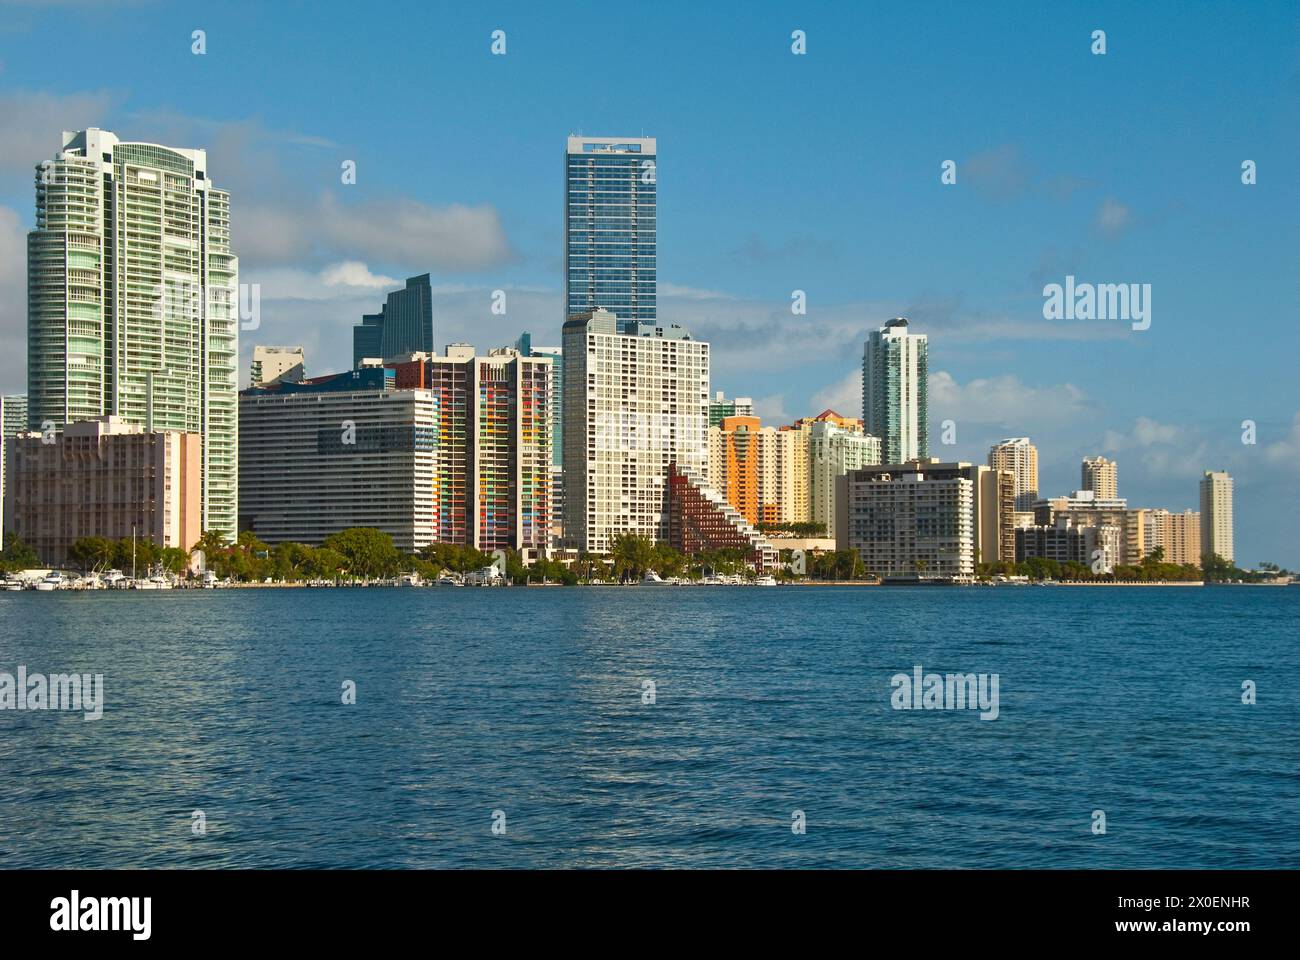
[403, 325]
[13, 420]
[633, 404]
[105, 478]
[1019, 456]
[720, 408]
[925, 519]
[610, 186]
[525, 346]
[492, 445]
[911, 521]
[735, 468]
[133, 300]
[833, 450]
[273, 364]
[1216, 514]
[336, 452]
[1100, 476]
[895, 381]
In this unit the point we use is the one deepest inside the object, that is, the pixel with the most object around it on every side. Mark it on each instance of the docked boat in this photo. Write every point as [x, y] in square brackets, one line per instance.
[53, 581]
[652, 579]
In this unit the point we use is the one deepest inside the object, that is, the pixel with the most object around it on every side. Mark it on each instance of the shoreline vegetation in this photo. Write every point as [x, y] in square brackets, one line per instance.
[364, 556]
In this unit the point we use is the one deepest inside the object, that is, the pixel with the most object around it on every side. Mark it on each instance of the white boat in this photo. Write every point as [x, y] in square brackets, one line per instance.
[209, 580]
[53, 581]
[652, 579]
[767, 581]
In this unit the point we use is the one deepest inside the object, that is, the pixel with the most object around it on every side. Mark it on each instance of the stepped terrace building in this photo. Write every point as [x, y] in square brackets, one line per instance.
[700, 519]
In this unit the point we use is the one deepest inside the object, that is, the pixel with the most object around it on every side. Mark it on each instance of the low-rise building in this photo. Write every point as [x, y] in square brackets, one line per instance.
[105, 478]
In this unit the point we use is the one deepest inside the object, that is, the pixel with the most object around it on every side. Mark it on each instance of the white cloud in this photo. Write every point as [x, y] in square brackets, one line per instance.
[13, 302]
[1113, 217]
[1006, 402]
[402, 232]
[354, 273]
[32, 124]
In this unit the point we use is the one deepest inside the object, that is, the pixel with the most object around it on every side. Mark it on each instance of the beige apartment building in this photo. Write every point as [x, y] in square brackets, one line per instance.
[105, 478]
[1177, 534]
[1216, 514]
[1101, 476]
[1019, 456]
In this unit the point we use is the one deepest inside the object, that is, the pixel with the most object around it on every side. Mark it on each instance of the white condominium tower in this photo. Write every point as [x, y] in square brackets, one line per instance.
[1020, 457]
[132, 300]
[1216, 514]
[895, 378]
[632, 405]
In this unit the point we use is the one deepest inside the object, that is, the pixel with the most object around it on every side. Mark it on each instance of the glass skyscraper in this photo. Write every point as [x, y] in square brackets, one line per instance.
[609, 227]
[895, 379]
[132, 300]
[404, 324]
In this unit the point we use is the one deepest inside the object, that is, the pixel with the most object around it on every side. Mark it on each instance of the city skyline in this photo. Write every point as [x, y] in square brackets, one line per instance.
[1076, 389]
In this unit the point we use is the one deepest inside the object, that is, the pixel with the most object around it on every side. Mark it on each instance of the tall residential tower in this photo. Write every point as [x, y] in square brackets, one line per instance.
[132, 300]
[895, 379]
[1019, 456]
[1216, 514]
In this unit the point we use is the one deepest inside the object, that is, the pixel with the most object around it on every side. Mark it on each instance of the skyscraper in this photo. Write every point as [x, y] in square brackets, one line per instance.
[632, 405]
[403, 325]
[609, 227]
[1216, 514]
[1100, 476]
[132, 300]
[895, 380]
[1020, 457]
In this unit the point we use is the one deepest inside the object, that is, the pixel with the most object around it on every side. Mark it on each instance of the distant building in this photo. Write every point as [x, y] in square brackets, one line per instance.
[1177, 534]
[895, 382]
[1085, 509]
[700, 519]
[610, 207]
[403, 325]
[834, 448]
[1100, 476]
[105, 478]
[525, 346]
[273, 364]
[1216, 514]
[13, 420]
[1066, 542]
[633, 404]
[1019, 456]
[720, 408]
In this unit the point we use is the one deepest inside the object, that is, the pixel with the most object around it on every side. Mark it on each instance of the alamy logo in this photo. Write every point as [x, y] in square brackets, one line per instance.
[102, 913]
[953, 691]
[58, 691]
[1101, 301]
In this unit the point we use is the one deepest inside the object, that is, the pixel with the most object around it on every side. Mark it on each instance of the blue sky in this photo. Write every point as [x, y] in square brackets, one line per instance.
[776, 172]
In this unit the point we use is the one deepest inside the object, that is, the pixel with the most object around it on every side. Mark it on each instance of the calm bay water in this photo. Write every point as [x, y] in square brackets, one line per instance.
[768, 701]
